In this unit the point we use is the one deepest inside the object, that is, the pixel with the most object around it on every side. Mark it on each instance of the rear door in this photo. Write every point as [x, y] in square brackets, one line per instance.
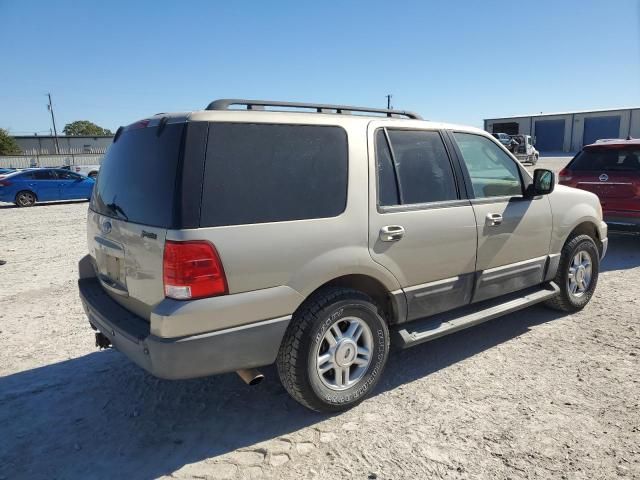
[131, 209]
[44, 184]
[514, 232]
[421, 225]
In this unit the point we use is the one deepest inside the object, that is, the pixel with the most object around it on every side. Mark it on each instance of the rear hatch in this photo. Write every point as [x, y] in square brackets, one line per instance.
[612, 172]
[131, 209]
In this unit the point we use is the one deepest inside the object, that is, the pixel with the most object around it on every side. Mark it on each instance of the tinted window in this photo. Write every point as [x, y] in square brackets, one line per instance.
[493, 173]
[607, 159]
[423, 168]
[257, 173]
[387, 187]
[66, 175]
[42, 175]
[138, 176]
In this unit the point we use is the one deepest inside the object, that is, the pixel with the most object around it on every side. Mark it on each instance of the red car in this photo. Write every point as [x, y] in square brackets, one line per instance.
[611, 170]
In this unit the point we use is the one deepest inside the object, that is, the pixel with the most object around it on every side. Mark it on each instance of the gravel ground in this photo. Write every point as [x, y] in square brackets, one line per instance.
[535, 394]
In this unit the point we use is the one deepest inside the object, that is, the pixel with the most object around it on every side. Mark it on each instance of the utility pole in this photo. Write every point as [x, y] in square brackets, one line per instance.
[53, 120]
[389, 107]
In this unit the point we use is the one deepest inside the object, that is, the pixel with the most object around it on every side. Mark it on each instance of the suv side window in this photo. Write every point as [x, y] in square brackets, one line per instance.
[419, 166]
[257, 173]
[493, 173]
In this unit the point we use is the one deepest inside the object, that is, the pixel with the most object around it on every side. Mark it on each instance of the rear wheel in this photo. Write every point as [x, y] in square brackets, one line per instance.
[577, 274]
[25, 198]
[93, 174]
[334, 350]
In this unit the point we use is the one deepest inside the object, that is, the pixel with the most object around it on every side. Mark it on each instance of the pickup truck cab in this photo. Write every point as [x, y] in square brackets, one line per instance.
[315, 236]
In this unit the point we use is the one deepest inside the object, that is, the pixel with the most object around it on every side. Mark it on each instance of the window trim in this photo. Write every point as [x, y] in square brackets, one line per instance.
[462, 197]
[211, 125]
[467, 177]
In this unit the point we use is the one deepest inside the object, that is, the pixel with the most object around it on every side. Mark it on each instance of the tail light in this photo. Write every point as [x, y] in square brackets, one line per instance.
[564, 175]
[192, 270]
[4, 183]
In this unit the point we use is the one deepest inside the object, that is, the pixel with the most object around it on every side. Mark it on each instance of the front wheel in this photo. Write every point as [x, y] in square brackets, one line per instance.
[334, 350]
[577, 274]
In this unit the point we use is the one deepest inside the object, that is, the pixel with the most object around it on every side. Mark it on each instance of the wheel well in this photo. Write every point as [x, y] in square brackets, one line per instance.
[587, 228]
[27, 190]
[372, 287]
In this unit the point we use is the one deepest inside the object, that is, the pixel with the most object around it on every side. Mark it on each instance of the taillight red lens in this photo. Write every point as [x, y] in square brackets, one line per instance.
[564, 175]
[192, 270]
[4, 183]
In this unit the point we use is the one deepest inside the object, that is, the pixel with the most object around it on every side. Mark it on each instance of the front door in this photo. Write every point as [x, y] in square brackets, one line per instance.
[514, 232]
[422, 228]
[72, 186]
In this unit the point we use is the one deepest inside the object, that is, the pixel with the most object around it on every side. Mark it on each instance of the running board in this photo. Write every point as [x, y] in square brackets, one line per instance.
[420, 331]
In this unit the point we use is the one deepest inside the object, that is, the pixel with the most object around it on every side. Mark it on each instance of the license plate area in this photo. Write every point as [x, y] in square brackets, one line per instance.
[110, 261]
[113, 269]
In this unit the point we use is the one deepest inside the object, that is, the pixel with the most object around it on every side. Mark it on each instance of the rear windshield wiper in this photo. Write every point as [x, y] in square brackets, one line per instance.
[117, 209]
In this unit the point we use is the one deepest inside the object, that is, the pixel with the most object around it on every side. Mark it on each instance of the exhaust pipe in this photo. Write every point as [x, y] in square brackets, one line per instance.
[250, 376]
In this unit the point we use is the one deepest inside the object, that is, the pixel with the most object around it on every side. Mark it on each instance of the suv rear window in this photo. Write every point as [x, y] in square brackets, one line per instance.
[138, 176]
[624, 159]
[256, 173]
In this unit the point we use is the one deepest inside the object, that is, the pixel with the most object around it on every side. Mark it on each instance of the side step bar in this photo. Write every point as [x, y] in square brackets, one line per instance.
[420, 331]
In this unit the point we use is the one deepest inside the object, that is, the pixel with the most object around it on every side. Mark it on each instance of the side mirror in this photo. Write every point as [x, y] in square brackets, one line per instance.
[544, 181]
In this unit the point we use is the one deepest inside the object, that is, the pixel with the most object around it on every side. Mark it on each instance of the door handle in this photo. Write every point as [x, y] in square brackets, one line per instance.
[494, 219]
[391, 233]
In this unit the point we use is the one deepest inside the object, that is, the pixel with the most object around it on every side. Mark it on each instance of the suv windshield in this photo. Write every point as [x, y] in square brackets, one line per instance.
[623, 159]
[138, 175]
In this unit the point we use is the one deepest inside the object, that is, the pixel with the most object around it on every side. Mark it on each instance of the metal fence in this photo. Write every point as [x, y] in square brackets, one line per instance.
[87, 150]
[29, 161]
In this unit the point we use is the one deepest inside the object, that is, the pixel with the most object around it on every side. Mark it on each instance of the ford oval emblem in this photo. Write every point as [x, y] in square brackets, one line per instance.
[105, 228]
[604, 177]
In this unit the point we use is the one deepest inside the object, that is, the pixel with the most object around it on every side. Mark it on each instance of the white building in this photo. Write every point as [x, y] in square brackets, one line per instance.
[568, 132]
[45, 144]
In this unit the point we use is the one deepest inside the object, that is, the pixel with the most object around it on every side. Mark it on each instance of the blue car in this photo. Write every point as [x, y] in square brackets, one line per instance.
[6, 171]
[27, 187]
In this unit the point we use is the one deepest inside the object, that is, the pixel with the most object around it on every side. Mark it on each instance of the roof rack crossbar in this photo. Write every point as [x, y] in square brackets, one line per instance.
[224, 104]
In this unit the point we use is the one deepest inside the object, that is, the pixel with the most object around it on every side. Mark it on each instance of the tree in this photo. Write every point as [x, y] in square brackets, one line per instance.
[85, 127]
[8, 144]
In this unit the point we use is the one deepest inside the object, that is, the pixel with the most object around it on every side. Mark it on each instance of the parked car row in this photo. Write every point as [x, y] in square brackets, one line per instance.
[26, 187]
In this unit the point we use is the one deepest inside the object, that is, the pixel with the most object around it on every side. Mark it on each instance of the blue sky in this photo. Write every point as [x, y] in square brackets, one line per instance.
[114, 62]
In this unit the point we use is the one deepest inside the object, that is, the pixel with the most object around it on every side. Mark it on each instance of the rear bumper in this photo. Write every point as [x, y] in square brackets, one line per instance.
[227, 350]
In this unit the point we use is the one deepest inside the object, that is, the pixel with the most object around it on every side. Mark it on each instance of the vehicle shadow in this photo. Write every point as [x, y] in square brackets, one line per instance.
[42, 204]
[99, 416]
[623, 252]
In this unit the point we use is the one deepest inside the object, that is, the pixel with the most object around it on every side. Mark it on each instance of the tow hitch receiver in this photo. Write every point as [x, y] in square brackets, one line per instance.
[102, 341]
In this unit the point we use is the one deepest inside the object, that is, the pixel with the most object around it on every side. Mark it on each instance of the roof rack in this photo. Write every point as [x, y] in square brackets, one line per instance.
[224, 104]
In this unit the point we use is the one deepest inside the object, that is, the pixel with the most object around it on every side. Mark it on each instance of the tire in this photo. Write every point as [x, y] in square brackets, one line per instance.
[312, 369]
[25, 198]
[93, 175]
[535, 160]
[574, 295]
